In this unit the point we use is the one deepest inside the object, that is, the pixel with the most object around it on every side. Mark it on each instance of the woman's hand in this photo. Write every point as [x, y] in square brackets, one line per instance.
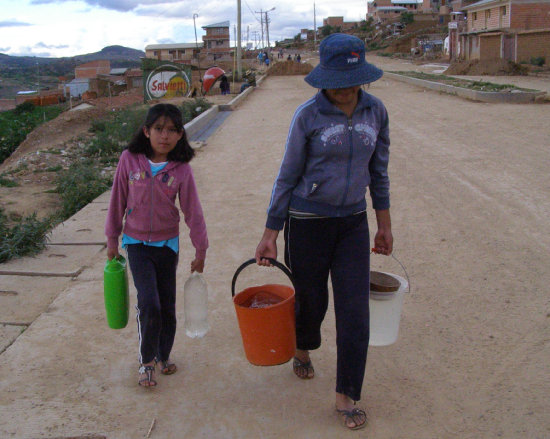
[197, 265]
[112, 252]
[383, 240]
[267, 248]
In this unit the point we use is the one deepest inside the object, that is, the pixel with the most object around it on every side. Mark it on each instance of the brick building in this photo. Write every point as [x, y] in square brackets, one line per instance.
[339, 23]
[92, 69]
[180, 53]
[515, 30]
[382, 10]
[216, 40]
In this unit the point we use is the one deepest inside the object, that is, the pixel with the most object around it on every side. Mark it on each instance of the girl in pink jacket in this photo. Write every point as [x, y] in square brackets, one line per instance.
[151, 173]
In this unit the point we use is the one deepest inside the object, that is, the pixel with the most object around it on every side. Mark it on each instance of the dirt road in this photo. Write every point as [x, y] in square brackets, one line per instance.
[470, 213]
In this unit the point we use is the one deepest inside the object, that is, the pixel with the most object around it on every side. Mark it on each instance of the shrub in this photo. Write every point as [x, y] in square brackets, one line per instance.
[28, 236]
[80, 184]
[25, 107]
[6, 182]
[17, 123]
[407, 17]
[538, 61]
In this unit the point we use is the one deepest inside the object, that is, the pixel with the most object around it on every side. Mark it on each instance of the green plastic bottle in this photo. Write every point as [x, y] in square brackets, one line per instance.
[115, 290]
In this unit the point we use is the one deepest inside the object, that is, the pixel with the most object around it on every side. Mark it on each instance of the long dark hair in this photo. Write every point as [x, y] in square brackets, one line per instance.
[140, 144]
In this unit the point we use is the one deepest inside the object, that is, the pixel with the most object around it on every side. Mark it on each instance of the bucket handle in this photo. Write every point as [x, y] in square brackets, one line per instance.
[402, 266]
[253, 261]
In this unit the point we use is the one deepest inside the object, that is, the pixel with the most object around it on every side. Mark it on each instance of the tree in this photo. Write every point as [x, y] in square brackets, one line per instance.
[327, 30]
[407, 17]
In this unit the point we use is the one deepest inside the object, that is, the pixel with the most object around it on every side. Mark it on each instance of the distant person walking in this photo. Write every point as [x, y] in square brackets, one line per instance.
[152, 172]
[337, 146]
[224, 85]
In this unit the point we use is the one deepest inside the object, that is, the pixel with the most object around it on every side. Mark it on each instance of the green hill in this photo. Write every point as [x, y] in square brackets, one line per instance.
[27, 72]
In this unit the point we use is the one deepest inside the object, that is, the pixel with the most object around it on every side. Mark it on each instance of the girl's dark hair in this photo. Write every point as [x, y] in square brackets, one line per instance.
[140, 144]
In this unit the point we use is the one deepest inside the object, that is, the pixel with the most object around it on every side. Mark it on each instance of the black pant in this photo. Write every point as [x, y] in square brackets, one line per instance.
[154, 272]
[315, 248]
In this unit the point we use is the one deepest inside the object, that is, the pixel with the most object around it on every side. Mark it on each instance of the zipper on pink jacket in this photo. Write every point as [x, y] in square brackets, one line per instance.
[151, 210]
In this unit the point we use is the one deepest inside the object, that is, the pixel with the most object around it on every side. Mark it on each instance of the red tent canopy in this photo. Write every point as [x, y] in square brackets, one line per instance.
[210, 77]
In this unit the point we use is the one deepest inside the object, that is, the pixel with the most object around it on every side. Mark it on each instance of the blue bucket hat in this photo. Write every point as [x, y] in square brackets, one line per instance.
[342, 64]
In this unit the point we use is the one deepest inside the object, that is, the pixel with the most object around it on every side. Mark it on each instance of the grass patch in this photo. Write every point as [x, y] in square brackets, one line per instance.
[6, 182]
[79, 185]
[17, 123]
[84, 180]
[27, 236]
[54, 168]
[463, 83]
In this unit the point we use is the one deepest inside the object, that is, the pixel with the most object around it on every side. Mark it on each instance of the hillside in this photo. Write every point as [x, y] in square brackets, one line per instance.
[24, 72]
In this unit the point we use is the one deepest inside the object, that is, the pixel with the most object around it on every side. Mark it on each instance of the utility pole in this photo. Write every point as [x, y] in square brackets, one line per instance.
[255, 33]
[197, 47]
[267, 29]
[239, 61]
[267, 26]
[262, 26]
[314, 28]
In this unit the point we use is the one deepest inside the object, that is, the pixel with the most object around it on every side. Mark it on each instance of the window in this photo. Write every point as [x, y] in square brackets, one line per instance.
[488, 13]
[475, 16]
[503, 10]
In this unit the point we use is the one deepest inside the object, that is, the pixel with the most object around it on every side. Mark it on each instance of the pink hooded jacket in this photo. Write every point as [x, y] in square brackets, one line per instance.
[149, 203]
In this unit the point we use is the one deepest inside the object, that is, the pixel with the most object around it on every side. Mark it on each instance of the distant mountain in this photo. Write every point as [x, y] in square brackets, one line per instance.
[115, 54]
[25, 72]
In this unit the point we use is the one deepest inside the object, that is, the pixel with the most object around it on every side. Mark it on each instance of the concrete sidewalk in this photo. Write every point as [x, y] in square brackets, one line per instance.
[68, 375]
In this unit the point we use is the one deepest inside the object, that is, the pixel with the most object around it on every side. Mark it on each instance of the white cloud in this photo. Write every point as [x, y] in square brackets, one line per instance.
[74, 27]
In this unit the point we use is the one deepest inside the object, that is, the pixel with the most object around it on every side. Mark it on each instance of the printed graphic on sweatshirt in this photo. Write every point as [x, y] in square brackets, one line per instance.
[137, 175]
[333, 135]
[366, 133]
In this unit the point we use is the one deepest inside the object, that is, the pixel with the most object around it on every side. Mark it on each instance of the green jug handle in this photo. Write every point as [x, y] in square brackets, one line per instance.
[118, 261]
[253, 261]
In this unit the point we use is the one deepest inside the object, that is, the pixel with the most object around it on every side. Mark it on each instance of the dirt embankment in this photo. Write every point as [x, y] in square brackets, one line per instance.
[289, 68]
[491, 67]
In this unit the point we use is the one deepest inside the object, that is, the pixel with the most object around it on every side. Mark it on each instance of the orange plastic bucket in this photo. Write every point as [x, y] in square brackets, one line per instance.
[269, 331]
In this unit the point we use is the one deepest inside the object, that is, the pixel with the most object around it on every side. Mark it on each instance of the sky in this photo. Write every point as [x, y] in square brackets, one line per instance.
[59, 28]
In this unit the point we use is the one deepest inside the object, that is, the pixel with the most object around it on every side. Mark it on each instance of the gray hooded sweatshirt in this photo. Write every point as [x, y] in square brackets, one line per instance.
[330, 160]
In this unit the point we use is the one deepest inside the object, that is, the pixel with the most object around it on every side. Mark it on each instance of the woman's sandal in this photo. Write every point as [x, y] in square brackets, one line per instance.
[357, 416]
[167, 368]
[148, 380]
[303, 369]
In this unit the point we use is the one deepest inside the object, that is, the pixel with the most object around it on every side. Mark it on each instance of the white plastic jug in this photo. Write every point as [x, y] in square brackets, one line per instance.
[195, 306]
[385, 313]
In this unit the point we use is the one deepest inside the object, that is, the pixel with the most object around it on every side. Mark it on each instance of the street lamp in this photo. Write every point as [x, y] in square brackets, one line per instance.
[267, 25]
[197, 46]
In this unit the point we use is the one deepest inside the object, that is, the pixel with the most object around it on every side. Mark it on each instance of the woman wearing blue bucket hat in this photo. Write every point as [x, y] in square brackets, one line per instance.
[338, 145]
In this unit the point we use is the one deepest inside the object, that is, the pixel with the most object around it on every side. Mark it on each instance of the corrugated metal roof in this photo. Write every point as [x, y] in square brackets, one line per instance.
[482, 3]
[391, 8]
[222, 24]
[118, 71]
[407, 2]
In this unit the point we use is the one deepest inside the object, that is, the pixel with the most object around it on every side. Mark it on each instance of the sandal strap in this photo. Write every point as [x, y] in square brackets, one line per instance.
[354, 415]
